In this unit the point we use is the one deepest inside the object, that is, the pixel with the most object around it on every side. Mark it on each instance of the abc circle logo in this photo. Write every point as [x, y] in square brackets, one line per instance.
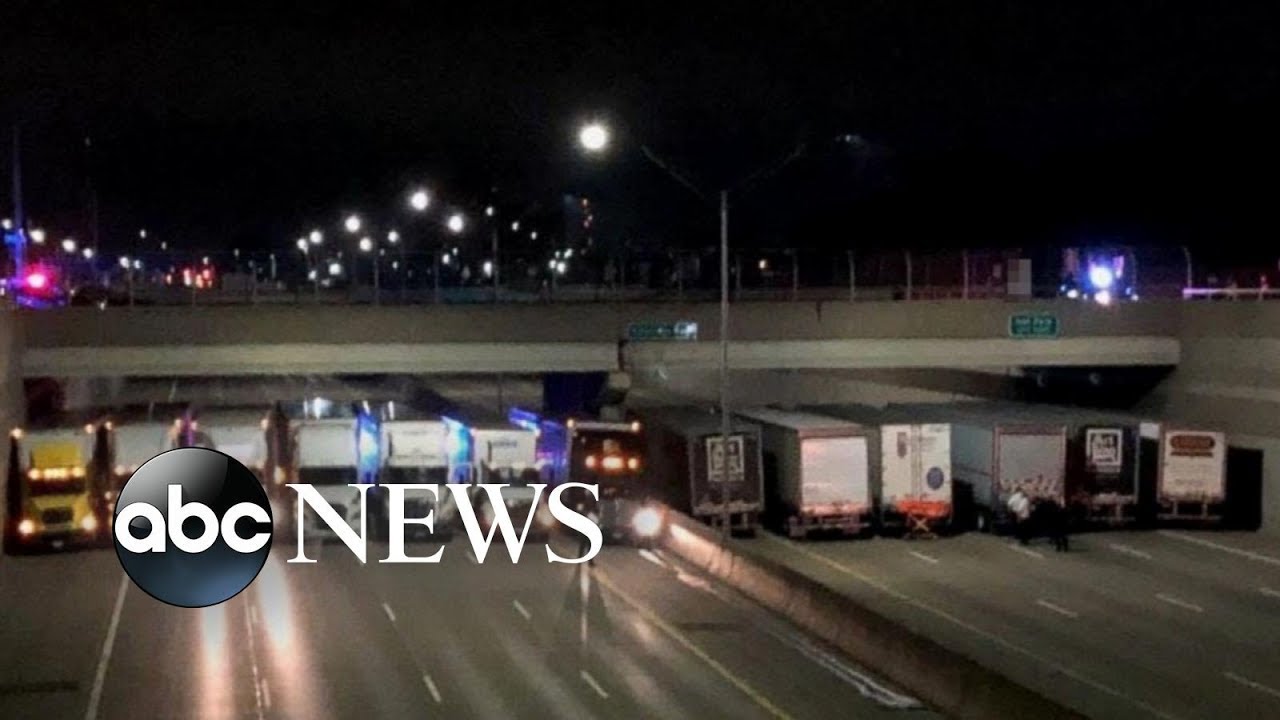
[192, 527]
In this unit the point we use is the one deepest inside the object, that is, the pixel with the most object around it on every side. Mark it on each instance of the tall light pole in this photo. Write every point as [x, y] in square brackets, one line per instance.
[352, 225]
[367, 245]
[455, 223]
[594, 138]
[489, 212]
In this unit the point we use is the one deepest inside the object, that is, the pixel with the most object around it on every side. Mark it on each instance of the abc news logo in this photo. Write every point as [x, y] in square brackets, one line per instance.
[218, 519]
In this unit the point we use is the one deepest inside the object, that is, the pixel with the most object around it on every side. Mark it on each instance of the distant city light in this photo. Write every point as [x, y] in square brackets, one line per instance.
[352, 223]
[1102, 297]
[87, 253]
[137, 264]
[37, 235]
[316, 237]
[593, 137]
[445, 258]
[37, 280]
[366, 244]
[302, 244]
[68, 245]
[568, 253]
[164, 245]
[456, 223]
[1073, 293]
[488, 268]
[7, 224]
[419, 200]
[393, 237]
[311, 274]
[335, 269]
[515, 226]
[763, 264]
[562, 267]
[124, 261]
[205, 260]
[488, 211]
[142, 233]
[533, 235]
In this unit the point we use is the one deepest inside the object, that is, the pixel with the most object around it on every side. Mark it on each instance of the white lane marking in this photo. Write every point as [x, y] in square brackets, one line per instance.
[1179, 602]
[1253, 684]
[1131, 551]
[266, 694]
[1269, 592]
[100, 675]
[649, 555]
[927, 558]
[1025, 551]
[866, 686]
[1257, 557]
[1008, 645]
[258, 679]
[431, 688]
[390, 615]
[253, 615]
[521, 609]
[586, 677]
[1057, 608]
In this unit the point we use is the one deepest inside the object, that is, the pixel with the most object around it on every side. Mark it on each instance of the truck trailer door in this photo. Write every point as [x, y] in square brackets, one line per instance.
[834, 471]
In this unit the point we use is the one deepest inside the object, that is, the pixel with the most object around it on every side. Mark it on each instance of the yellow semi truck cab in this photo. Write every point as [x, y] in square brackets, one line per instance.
[52, 486]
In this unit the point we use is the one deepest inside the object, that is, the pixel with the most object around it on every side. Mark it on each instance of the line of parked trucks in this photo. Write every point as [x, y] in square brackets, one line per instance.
[851, 470]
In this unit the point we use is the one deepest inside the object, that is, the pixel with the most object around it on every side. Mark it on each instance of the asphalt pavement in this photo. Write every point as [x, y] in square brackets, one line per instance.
[635, 635]
[1163, 624]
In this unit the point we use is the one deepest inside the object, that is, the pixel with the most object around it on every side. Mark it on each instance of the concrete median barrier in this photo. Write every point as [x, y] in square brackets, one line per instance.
[942, 678]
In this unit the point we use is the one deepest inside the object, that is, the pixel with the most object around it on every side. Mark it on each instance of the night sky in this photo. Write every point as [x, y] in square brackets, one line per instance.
[1014, 123]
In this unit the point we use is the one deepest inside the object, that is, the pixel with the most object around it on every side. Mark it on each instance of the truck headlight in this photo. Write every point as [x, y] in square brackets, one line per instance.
[89, 523]
[26, 527]
[647, 522]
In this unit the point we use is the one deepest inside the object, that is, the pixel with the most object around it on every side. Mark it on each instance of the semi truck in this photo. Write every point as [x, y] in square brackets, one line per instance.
[494, 450]
[1191, 484]
[56, 485]
[135, 434]
[606, 453]
[914, 468]
[415, 451]
[695, 473]
[817, 472]
[993, 454]
[326, 457]
[240, 432]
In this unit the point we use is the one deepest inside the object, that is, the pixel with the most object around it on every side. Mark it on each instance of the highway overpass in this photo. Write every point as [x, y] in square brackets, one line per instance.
[261, 340]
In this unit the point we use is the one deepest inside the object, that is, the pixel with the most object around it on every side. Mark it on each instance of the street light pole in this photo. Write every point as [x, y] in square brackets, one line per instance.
[495, 260]
[724, 361]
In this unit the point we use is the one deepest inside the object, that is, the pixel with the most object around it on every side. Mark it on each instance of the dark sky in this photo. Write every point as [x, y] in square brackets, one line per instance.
[986, 124]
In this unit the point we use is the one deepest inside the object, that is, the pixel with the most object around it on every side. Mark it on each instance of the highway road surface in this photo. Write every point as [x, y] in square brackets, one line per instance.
[1165, 624]
[636, 635]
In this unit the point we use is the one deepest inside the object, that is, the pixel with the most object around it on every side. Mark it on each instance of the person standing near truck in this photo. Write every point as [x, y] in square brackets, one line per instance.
[1020, 507]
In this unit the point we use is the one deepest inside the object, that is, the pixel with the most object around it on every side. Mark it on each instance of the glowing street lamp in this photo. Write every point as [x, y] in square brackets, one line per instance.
[593, 137]
[302, 245]
[352, 224]
[393, 237]
[69, 246]
[87, 253]
[124, 262]
[456, 223]
[419, 200]
[316, 237]
[366, 244]
[37, 235]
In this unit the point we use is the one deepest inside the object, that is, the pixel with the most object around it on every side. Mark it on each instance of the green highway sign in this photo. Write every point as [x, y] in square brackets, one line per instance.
[1033, 326]
[642, 331]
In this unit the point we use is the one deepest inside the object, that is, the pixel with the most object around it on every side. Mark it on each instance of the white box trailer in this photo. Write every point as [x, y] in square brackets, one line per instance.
[238, 432]
[992, 454]
[415, 452]
[817, 472]
[914, 467]
[326, 457]
[1192, 480]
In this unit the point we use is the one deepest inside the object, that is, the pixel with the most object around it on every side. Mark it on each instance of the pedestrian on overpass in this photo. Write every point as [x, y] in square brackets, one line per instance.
[1020, 507]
